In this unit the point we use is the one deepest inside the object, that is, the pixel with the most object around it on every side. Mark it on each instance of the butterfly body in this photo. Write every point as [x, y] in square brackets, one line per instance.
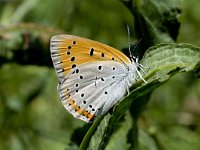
[92, 76]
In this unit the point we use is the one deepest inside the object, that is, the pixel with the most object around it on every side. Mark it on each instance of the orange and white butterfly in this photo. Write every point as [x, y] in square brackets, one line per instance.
[92, 76]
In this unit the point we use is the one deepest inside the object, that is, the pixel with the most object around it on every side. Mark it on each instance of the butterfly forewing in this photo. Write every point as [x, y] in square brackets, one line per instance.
[68, 51]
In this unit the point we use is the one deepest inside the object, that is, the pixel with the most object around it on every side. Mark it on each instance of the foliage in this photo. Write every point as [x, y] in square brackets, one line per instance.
[32, 116]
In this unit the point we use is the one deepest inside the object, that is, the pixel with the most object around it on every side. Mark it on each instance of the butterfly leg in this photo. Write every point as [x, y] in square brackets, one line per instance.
[141, 67]
[141, 76]
[127, 89]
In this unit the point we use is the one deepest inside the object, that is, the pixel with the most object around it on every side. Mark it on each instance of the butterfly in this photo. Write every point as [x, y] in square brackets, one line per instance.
[92, 76]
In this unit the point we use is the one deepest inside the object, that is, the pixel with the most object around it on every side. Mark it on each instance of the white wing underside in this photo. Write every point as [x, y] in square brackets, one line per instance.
[94, 88]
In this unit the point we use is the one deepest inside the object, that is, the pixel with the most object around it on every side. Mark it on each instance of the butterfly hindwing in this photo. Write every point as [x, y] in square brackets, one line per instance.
[94, 89]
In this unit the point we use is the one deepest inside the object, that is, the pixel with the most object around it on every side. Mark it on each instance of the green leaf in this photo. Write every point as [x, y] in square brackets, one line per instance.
[164, 61]
[161, 25]
[119, 138]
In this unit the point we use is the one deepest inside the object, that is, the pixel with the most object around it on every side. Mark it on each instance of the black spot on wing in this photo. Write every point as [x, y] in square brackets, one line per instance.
[91, 51]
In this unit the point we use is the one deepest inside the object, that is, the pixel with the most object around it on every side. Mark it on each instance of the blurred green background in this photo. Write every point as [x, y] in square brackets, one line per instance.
[31, 114]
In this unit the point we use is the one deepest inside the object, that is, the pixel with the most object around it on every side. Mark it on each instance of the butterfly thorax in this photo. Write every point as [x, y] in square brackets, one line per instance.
[131, 73]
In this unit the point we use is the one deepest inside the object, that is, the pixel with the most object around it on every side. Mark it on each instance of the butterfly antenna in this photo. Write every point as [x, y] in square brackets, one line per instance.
[133, 58]
[129, 42]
